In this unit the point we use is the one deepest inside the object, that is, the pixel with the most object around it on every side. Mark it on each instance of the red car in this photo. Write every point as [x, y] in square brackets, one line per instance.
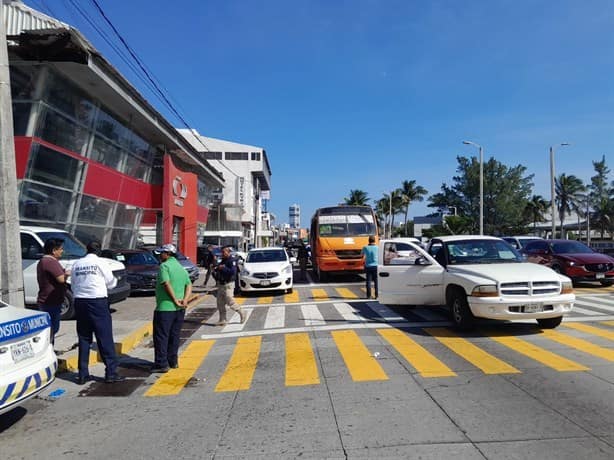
[573, 259]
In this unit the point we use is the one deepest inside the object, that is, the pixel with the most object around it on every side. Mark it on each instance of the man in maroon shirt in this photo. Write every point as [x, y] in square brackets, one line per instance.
[51, 278]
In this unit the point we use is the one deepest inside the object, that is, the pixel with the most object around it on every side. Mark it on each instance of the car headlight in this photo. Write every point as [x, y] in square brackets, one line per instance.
[287, 269]
[571, 263]
[485, 291]
[566, 287]
[245, 271]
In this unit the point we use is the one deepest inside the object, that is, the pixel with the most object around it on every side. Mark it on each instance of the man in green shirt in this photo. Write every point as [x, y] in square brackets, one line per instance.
[173, 290]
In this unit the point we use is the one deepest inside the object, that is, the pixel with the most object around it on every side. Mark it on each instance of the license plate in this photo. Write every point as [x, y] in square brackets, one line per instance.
[22, 350]
[533, 308]
[265, 283]
[599, 276]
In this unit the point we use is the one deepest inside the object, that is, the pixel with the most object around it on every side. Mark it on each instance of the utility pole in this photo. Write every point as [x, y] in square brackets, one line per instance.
[11, 276]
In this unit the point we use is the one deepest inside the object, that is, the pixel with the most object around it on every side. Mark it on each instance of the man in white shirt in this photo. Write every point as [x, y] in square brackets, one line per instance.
[91, 278]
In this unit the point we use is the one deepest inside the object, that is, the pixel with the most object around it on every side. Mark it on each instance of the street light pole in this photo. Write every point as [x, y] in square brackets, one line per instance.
[481, 151]
[552, 191]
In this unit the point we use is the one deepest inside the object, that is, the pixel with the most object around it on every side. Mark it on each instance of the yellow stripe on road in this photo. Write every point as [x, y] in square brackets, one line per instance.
[608, 323]
[240, 370]
[359, 361]
[539, 354]
[292, 297]
[580, 344]
[488, 363]
[240, 300]
[422, 360]
[301, 367]
[175, 380]
[345, 293]
[591, 330]
[268, 299]
[319, 294]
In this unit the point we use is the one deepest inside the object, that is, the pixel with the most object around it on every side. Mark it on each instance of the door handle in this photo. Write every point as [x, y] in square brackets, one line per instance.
[384, 274]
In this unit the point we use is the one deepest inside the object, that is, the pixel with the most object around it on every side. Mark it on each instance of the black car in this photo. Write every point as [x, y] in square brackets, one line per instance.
[191, 267]
[141, 266]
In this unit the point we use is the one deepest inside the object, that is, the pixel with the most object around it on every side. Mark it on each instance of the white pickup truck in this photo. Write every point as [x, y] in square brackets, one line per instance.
[475, 276]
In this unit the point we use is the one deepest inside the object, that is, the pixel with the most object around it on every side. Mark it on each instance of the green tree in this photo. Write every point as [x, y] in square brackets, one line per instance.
[410, 192]
[506, 193]
[536, 209]
[357, 198]
[601, 197]
[568, 193]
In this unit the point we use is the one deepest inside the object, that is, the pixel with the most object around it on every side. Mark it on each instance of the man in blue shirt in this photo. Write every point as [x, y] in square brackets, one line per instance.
[370, 253]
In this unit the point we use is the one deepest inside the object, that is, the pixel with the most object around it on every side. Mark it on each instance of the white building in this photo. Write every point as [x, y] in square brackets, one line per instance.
[236, 211]
[295, 216]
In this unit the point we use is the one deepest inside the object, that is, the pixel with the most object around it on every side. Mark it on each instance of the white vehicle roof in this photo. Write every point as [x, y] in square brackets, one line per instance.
[35, 229]
[448, 238]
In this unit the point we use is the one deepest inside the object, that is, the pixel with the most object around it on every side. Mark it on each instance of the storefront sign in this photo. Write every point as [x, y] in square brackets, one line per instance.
[180, 191]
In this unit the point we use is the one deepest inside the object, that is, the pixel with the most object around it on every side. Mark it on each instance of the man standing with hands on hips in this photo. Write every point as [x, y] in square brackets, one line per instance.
[91, 278]
[173, 291]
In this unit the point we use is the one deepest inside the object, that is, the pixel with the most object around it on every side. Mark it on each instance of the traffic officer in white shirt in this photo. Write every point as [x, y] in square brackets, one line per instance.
[90, 280]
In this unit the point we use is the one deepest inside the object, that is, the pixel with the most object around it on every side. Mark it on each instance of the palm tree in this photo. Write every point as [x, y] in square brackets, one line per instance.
[568, 193]
[410, 192]
[536, 209]
[357, 198]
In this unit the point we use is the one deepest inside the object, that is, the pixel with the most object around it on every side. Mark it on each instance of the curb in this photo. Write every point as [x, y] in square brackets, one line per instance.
[123, 346]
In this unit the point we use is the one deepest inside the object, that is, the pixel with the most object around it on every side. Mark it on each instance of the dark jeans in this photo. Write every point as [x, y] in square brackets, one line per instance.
[371, 276]
[55, 313]
[166, 335]
[94, 318]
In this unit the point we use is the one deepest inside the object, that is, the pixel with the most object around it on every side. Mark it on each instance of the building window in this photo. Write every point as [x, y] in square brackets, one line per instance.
[21, 117]
[125, 216]
[106, 153]
[87, 233]
[236, 156]
[70, 100]
[94, 210]
[213, 155]
[53, 168]
[255, 156]
[41, 203]
[60, 130]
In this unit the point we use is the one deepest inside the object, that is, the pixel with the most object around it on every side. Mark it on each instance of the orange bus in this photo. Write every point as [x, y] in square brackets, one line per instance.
[337, 236]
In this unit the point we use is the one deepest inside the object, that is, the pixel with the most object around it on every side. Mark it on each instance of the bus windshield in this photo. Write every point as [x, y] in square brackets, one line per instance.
[346, 225]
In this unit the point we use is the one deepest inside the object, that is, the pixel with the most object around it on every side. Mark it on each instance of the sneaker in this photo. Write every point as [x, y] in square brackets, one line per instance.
[174, 366]
[159, 370]
[114, 378]
[221, 323]
[82, 380]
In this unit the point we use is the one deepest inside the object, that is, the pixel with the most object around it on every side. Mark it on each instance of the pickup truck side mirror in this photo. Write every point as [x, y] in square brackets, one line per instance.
[422, 261]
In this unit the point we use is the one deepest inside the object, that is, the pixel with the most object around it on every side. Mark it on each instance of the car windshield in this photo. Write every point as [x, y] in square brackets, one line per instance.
[73, 248]
[266, 256]
[138, 258]
[481, 252]
[570, 247]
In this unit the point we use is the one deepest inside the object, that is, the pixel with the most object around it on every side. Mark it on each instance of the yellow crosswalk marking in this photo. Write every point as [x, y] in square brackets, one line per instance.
[240, 370]
[292, 297]
[608, 323]
[580, 344]
[319, 294]
[423, 361]
[301, 367]
[346, 293]
[267, 299]
[538, 354]
[359, 361]
[240, 300]
[591, 330]
[488, 363]
[175, 380]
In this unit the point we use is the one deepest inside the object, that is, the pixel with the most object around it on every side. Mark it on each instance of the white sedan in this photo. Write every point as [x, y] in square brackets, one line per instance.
[27, 360]
[266, 269]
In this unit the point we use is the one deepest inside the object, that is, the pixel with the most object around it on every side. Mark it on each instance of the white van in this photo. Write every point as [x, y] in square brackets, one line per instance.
[32, 243]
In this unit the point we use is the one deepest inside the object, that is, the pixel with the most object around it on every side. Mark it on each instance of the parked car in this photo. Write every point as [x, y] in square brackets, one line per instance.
[519, 242]
[191, 267]
[141, 267]
[573, 259]
[32, 240]
[476, 277]
[27, 360]
[266, 269]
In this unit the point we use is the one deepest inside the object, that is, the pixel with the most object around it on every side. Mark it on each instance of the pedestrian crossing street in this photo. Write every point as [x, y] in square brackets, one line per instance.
[374, 354]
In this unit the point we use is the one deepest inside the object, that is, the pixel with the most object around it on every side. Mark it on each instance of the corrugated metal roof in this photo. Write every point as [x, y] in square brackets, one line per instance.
[18, 17]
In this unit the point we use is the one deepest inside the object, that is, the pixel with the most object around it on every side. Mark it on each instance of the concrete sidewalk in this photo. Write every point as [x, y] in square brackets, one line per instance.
[132, 323]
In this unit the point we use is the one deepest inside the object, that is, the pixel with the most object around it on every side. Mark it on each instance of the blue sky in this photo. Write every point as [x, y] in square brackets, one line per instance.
[364, 94]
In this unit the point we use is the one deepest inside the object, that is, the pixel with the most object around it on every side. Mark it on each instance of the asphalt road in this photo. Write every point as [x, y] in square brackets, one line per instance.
[325, 373]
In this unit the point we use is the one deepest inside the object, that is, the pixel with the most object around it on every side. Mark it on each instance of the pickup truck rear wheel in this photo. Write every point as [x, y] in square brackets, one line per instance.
[549, 323]
[67, 310]
[459, 308]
